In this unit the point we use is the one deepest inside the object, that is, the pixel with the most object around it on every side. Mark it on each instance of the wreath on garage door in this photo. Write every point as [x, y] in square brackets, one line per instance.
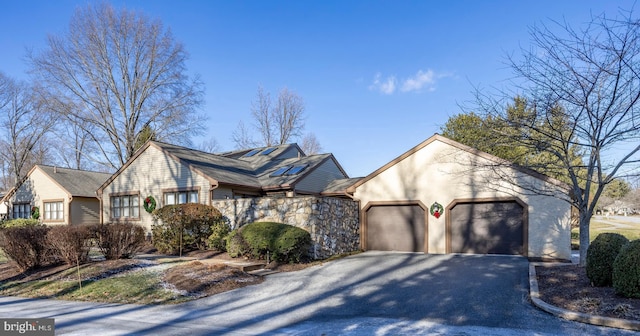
[436, 209]
[149, 204]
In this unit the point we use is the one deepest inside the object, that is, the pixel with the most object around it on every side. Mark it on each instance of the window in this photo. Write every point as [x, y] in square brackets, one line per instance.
[280, 171]
[268, 150]
[252, 153]
[22, 210]
[180, 197]
[125, 206]
[53, 210]
[296, 170]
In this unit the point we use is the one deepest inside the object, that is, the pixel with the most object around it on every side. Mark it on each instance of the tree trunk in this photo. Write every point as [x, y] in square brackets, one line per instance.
[585, 218]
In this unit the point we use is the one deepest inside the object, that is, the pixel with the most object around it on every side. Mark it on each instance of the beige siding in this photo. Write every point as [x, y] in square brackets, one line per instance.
[85, 211]
[443, 173]
[317, 180]
[148, 175]
[39, 188]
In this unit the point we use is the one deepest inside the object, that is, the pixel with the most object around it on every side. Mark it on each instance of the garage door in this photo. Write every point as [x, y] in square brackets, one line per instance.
[395, 228]
[487, 228]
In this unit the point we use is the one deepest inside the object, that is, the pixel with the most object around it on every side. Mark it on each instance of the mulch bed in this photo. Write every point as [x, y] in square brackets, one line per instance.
[568, 287]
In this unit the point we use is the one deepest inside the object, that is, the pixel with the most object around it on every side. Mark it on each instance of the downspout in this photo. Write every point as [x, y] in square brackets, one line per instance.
[213, 187]
[99, 196]
[68, 209]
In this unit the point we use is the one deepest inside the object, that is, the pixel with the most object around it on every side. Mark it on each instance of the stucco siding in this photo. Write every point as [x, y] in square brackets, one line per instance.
[317, 180]
[151, 173]
[443, 173]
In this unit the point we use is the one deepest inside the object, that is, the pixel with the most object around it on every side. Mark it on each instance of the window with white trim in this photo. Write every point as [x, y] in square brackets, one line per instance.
[180, 197]
[22, 210]
[53, 210]
[125, 206]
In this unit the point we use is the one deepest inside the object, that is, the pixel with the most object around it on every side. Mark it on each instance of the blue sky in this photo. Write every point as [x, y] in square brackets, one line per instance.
[377, 77]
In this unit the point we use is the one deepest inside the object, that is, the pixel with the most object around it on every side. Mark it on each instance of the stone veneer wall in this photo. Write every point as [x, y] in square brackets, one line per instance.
[334, 223]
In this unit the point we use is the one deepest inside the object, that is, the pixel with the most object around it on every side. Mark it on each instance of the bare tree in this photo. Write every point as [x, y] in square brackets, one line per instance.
[117, 71]
[25, 124]
[276, 124]
[583, 91]
[210, 145]
[242, 137]
[263, 117]
[288, 115]
[310, 144]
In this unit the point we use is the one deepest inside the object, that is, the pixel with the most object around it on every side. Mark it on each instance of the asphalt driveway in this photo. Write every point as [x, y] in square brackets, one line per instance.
[366, 294]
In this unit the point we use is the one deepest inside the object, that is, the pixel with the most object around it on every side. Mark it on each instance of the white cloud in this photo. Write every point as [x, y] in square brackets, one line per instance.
[422, 80]
[419, 81]
[386, 86]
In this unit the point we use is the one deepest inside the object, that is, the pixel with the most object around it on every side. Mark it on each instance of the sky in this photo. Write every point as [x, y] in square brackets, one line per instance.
[377, 77]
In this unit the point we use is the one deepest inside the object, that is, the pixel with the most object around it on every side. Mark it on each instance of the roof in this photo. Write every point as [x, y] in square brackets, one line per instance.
[339, 187]
[78, 183]
[453, 143]
[251, 168]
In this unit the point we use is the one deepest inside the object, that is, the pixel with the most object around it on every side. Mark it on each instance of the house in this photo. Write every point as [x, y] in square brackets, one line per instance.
[163, 174]
[60, 196]
[444, 197]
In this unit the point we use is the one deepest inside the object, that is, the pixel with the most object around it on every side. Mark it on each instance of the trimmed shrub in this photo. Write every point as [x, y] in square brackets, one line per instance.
[236, 246]
[293, 245]
[601, 254]
[282, 241]
[71, 243]
[626, 270]
[184, 225]
[26, 245]
[219, 232]
[119, 240]
[20, 222]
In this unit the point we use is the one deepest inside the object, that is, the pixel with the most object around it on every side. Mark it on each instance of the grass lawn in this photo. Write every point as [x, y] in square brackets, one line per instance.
[599, 225]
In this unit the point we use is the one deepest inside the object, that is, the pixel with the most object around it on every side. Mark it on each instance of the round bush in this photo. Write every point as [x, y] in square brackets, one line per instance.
[183, 227]
[626, 270]
[601, 254]
[282, 242]
[293, 245]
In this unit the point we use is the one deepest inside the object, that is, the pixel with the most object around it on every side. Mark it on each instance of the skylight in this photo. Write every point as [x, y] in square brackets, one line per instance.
[280, 171]
[295, 170]
[252, 153]
[268, 150]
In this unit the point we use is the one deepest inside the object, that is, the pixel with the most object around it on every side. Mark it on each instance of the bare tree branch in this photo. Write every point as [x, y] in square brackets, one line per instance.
[116, 71]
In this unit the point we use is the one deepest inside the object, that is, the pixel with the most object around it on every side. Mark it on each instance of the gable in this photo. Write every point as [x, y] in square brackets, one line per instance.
[465, 160]
[38, 186]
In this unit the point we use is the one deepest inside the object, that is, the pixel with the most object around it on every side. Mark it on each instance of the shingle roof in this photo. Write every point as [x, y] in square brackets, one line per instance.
[340, 186]
[251, 171]
[80, 183]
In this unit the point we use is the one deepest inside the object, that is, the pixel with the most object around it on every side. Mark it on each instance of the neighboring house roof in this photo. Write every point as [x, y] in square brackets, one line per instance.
[77, 183]
[261, 168]
[453, 143]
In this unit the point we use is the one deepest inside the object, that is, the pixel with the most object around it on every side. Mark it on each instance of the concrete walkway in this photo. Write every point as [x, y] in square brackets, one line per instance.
[371, 293]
